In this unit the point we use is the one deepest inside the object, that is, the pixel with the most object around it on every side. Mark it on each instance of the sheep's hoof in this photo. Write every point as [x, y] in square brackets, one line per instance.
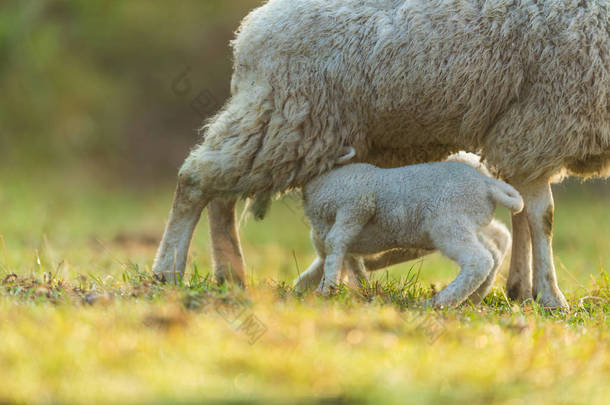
[519, 292]
[554, 300]
[167, 276]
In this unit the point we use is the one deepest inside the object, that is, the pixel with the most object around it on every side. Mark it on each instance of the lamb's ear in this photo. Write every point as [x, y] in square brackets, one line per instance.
[347, 154]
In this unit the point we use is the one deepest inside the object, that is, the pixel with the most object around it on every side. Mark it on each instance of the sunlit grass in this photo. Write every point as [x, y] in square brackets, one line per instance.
[82, 320]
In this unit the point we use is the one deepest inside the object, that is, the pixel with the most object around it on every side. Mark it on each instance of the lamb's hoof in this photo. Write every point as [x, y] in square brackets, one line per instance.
[554, 300]
[440, 302]
[326, 291]
[429, 303]
[435, 303]
[301, 286]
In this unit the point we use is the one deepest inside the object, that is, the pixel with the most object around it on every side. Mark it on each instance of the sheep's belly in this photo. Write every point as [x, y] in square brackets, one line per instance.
[593, 166]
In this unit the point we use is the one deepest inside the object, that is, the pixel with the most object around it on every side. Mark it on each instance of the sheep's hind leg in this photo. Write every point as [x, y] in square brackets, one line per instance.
[539, 206]
[226, 248]
[519, 283]
[475, 262]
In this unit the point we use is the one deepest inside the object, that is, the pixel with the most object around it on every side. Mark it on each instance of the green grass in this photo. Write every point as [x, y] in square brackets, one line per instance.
[82, 320]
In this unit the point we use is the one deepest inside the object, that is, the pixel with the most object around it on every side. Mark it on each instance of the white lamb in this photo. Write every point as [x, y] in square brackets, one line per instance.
[496, 233]
[359, 209]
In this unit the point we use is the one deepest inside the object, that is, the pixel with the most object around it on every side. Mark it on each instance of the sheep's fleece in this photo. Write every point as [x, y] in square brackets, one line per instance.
[523, 82]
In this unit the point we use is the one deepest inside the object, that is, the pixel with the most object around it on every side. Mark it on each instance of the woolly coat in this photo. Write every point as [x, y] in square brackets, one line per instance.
[524, 82]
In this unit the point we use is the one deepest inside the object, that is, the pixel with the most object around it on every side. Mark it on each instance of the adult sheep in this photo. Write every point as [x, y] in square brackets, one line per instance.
[525, 83]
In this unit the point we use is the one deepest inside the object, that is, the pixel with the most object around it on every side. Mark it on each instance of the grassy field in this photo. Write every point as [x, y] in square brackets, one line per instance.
[82, 320]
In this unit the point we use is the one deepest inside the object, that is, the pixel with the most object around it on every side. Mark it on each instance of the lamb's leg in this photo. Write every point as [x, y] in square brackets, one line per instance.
[392, 257]
[498, 234]
[347, 226]
[226, 249]
[189, 202]
[313, 274]
[475, 261]
[519, 283]
[539, 206]
[481, 292]
[497, 239]
[311, 277]
[357, 273]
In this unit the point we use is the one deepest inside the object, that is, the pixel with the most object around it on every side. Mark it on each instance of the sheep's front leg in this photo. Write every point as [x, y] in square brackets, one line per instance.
[539, 206]
[519, 283]
[189, 202]
[226, 248]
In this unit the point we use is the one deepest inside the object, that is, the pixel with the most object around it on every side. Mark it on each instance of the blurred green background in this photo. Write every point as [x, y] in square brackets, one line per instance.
[101, 101]
[92, 84]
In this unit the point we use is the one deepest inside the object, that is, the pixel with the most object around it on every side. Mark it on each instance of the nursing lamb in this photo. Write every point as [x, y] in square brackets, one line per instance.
[360, 209]
[356, 270]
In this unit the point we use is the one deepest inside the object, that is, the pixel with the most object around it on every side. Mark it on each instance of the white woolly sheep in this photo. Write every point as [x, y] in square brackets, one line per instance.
[360, 209]
[524, 82]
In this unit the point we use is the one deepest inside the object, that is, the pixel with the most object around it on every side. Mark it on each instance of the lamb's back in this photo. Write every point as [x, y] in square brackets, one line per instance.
[343, 184]
[423, 184]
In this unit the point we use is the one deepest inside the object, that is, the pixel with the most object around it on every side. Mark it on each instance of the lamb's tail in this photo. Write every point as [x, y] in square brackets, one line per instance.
[506, 195]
